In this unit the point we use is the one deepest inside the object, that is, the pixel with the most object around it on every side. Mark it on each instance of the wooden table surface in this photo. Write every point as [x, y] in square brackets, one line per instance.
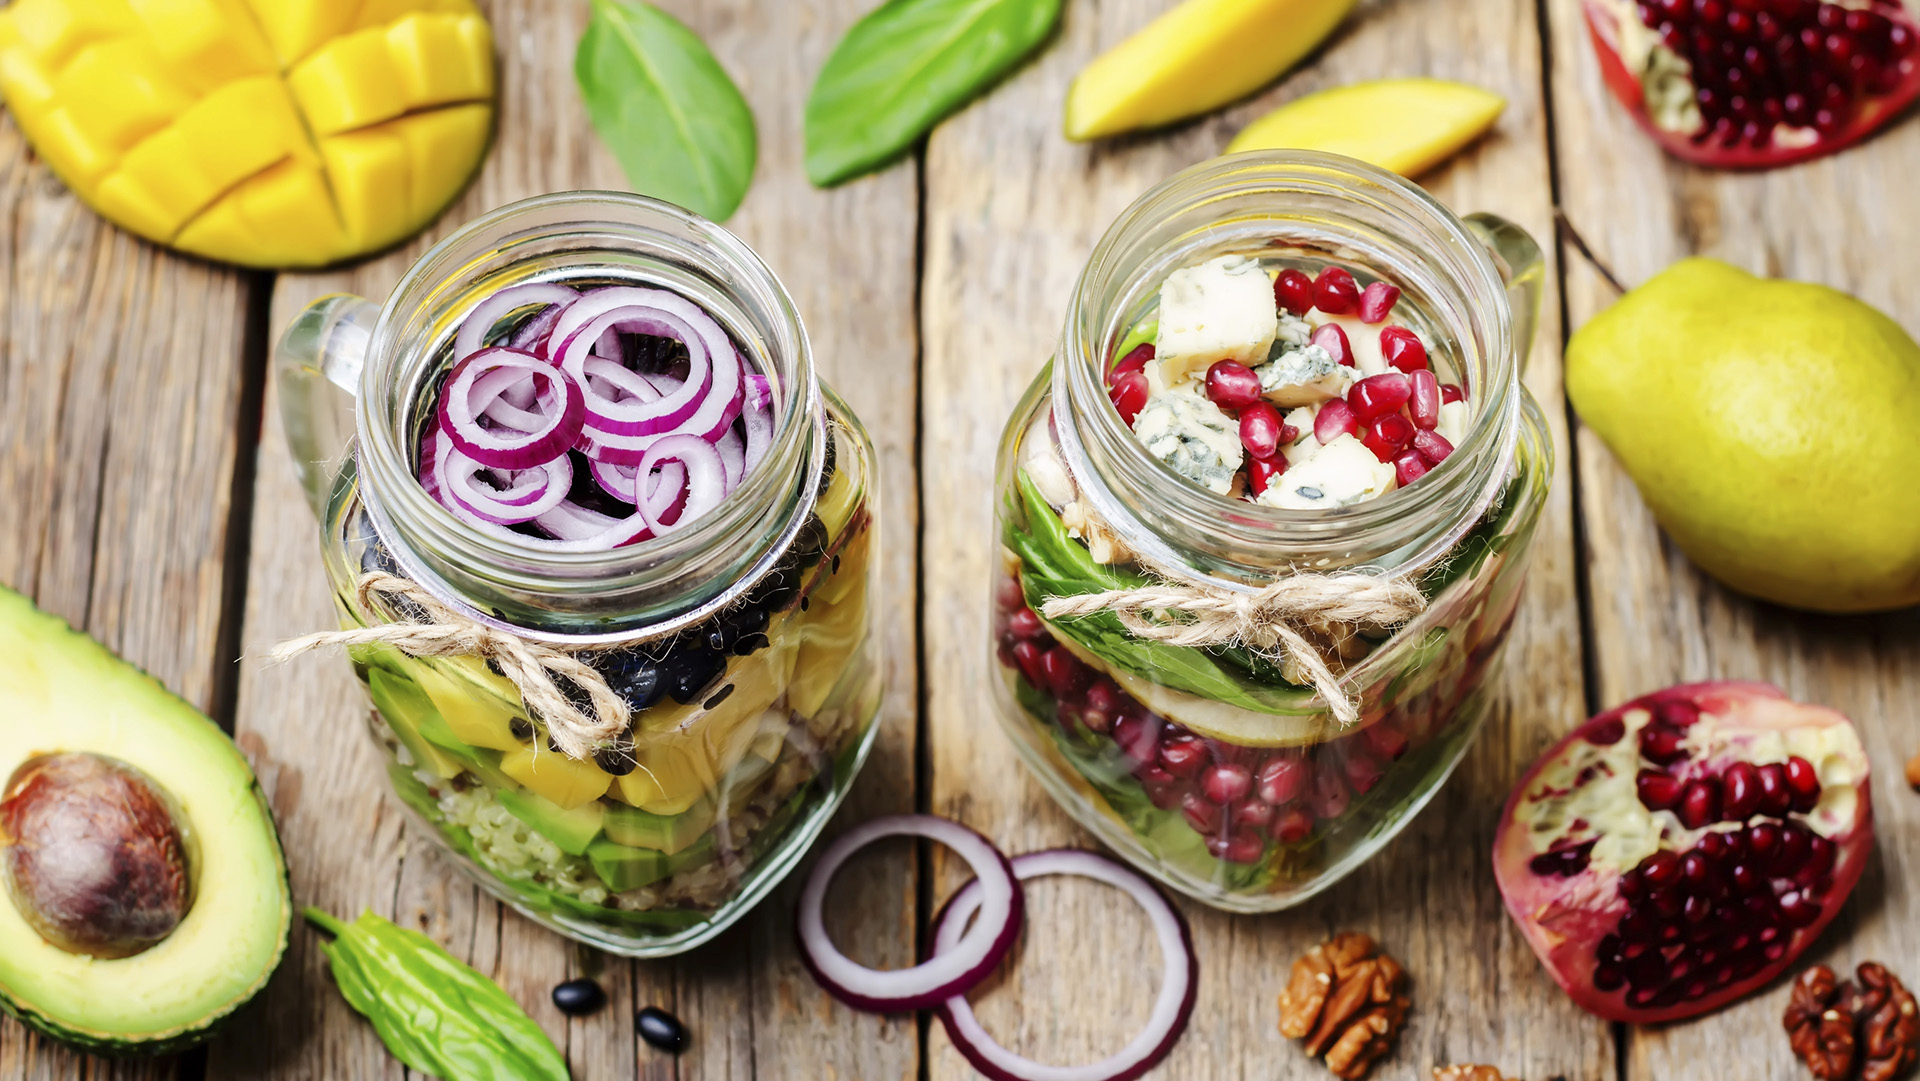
[146, 496]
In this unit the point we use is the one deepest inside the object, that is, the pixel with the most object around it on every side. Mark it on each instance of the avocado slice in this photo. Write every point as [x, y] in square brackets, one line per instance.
[60, 691]
[406, 710]
[636, 828]
[571, 828]
[623, 868]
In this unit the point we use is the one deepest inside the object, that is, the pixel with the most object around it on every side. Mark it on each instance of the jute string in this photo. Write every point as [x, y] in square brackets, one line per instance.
[1273, 619]
[440, 631]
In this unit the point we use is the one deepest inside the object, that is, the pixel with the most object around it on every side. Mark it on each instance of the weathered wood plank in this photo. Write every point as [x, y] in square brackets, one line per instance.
[848, 257]
[122, 371]
[1655, 619]
[1012, 211]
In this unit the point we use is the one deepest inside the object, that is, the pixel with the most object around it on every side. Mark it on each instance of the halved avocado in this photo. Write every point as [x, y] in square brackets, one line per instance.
[64, 696]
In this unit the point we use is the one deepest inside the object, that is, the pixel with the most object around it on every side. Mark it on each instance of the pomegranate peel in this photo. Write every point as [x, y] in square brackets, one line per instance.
[1725, 85]
[1654, 909]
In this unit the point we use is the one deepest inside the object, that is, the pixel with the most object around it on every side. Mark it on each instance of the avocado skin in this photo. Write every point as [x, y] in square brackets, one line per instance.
[17, 609]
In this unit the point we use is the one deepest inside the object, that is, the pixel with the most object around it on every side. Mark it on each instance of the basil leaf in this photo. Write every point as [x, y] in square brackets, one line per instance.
[904, 68]
[666, 108]
[434, 1013]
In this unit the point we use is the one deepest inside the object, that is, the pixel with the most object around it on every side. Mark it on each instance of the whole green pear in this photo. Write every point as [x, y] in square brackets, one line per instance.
[1772, 426]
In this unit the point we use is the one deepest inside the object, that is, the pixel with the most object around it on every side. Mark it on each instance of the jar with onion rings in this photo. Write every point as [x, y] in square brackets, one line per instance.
[602, 546]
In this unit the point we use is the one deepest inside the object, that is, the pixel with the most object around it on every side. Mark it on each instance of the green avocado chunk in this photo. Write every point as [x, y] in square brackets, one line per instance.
[636, 828]
[62, 692]
[572, 830]
[623, 868]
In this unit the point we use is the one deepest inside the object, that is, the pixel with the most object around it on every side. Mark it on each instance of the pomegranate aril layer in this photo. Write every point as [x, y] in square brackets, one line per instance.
[1335, 292]
[1293, 291]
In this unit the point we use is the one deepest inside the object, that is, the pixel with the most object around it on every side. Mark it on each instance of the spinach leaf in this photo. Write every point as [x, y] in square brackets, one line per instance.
[665, 107]
[434, 1013]
[904, 68]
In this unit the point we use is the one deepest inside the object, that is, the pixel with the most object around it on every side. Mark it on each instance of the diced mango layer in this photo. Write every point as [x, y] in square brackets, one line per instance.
[262, 132]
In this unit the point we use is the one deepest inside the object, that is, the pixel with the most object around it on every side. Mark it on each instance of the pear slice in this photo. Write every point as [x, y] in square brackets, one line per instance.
[1194, 59]
[1405, 126]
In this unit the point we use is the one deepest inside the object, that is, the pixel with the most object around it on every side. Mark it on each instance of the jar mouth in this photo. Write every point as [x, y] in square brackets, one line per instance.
[1309, 206]
[664, 582]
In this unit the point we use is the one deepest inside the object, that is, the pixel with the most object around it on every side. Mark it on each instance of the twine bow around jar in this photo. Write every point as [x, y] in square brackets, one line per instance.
[533, 667]
[1273, 619]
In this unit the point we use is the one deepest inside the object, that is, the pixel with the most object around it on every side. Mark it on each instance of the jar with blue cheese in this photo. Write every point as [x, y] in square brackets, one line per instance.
[1278, 369]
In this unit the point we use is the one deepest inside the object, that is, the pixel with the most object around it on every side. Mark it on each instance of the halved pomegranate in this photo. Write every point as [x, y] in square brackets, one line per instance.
[1677, 853]
[1750, 84]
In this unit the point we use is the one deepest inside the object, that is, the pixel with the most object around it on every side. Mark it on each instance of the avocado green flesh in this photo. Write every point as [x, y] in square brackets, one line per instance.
[61, 691]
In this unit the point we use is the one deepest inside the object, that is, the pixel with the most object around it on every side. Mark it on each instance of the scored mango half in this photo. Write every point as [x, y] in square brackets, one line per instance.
[269, 133]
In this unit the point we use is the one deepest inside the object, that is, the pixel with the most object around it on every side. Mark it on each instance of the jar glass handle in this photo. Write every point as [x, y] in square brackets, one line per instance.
[317, 366]
[1517, 255]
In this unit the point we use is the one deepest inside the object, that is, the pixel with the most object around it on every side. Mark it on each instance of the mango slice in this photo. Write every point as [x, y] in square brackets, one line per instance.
[1404, 126]
[1194, 59]
[269, 133]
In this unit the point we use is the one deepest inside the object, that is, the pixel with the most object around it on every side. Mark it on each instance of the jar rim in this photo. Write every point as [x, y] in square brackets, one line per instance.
[569, 235]
[1311, 203]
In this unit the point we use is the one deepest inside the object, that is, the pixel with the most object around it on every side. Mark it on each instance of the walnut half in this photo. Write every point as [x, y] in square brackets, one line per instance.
[1820, 1032]
[1468, 1073]
[1869, 1029]
[1347, 1000]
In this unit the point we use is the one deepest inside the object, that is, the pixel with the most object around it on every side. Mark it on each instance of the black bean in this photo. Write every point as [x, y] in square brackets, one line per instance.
[750, 644]
[661, 1029]
[521, 728]
[714, 702]
[617, 760]
[577, 998]
[689, 674]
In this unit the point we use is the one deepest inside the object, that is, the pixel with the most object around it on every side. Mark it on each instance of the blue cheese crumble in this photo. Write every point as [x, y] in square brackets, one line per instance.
[1193, 437]
[1342, 473]
[1304, 376]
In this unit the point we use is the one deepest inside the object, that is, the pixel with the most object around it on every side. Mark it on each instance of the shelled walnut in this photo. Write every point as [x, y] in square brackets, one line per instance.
[1347, 999]
[1468, 1073]
[1869, 1029]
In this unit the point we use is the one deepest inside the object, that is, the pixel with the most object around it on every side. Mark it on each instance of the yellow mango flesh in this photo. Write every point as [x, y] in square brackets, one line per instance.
[1404, 126]
[1195, 58]
[270, 133]
[567, 782]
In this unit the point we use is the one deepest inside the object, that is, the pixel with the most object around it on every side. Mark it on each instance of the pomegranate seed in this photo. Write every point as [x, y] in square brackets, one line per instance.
[1609, 978]
[1335, 292]
[1335, 419]
[1097, 720]
[1165, 796]
[1804, 781]
[1763, 842]
[1403, 349]
[1362, 771]
[1796, 845]
[1775, 797]
[1184, 756]
[1261, 471]
[1260, 427]
[1433, 447]
[1696, 870]
[1135, 360]
[1379, 394]
[1387, 436]
[1103, 695]
[1409, 467]
[1384, 741]
[1822, 854]
[1668, 903]
[1282, 780]
[1009, 594]
[1232, 385]
[1028, 656]
[1203, 816]
[1663, 744]
[1293, 291]
[1254, 813]
[1742, 792]
[1700, 804]
[1799, 909]
[1329, 796]
[1606, 733]
[1244, 847]
[1423, 406]
[1065, 675]
[1025, 624]
[1662, 869]
[1129, 394]
[1138, 737]
[1450, 392]
[1226, 783]
[1377, 300]
[1658, 791]
[1293, 827]
[1744, 878]
[1677, 713]
[1334, 340]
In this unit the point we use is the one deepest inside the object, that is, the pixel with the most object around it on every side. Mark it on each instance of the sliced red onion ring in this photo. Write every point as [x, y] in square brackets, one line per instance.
[733, 457]
[706, 482]
[607, 376]
[479, 323]
[618, 481]
[532, 335]
[458, 476]
[508, 448]
[757, 413]
[510, 398]
[1172, 1007]
[968, 959]
[644, 311]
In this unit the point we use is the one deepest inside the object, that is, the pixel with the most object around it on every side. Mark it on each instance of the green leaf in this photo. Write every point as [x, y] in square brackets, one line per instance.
[904, 68]
[666, 108]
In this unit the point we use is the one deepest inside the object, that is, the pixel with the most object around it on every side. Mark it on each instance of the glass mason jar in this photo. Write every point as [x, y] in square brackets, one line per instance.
[652, 848]
[1219, 769]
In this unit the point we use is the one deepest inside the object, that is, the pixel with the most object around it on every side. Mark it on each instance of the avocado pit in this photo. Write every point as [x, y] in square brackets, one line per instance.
[92, 854]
